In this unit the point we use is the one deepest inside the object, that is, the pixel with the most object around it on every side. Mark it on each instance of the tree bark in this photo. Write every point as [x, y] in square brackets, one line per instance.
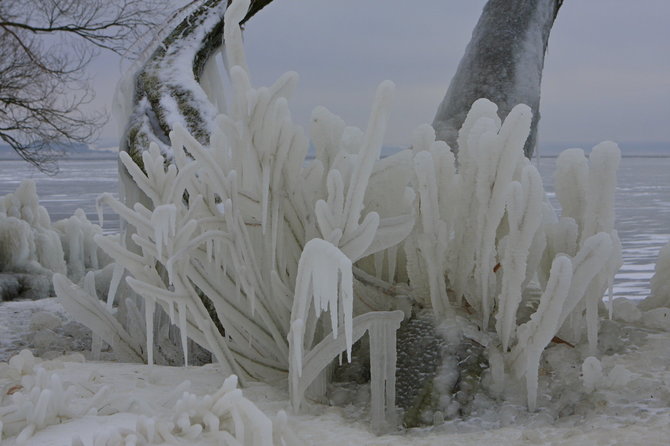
[164, 75]
[503, 63]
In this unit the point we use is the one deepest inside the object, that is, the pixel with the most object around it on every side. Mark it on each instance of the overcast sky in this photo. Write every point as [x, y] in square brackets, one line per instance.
[606, 76]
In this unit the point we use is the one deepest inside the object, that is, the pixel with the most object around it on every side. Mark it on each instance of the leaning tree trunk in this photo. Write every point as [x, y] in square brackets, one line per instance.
[166, 90]
[503, 63]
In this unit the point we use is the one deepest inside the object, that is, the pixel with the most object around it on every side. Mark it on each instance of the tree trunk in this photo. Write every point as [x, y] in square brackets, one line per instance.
[164, 75]
[503, 63]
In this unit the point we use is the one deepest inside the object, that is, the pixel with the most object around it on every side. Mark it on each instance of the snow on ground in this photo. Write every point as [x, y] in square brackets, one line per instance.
[630, 403]
[42, 326]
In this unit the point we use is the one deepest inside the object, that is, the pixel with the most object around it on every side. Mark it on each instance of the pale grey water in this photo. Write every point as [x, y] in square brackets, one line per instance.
[642, 205]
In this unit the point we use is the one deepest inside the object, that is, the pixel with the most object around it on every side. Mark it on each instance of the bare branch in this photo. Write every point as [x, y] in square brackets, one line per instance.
[46, 46]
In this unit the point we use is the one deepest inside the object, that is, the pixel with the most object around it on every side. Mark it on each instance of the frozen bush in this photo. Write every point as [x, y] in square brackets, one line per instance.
[32, 249]
[240, 238]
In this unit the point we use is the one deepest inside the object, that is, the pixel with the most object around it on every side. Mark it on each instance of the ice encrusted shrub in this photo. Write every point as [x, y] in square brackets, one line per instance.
[243, 237]
[37, 397]
[488, 240]
[32, 248]
[226, 417]
[224, 248]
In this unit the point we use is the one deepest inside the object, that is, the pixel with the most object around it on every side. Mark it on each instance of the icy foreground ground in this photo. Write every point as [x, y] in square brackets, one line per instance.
[628, 403]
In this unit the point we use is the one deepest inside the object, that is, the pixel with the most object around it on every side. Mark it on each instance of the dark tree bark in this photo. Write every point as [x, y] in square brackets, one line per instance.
[503, 63]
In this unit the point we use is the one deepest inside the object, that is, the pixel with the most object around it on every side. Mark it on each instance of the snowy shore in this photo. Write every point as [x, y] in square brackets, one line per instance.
[629, 402]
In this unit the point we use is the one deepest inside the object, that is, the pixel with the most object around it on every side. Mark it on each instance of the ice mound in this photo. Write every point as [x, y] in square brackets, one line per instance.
[38, 394]
[32, 249]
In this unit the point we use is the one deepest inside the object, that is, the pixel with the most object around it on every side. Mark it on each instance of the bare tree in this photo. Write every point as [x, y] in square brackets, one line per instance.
[46, 46]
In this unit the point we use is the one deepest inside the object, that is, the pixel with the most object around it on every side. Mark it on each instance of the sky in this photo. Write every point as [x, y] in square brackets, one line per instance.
[606, 76]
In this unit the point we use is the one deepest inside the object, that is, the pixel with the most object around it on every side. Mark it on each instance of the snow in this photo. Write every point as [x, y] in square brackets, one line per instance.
[628, 405]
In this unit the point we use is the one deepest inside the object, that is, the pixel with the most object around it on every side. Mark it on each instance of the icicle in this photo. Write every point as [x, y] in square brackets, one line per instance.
[265, 196]
[379, 264]
[171, 312]
[183, 330]
[96, 341]
[535, 335]
[209, 250]
[98, 208]
[372, 144]
[117, 275]
[276, 249]
[392, 256]
[163, 220]
[251, 296]
[149, 309]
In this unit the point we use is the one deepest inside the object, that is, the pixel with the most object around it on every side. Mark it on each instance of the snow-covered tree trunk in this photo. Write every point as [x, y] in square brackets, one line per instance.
[503, 63]
[167, 88]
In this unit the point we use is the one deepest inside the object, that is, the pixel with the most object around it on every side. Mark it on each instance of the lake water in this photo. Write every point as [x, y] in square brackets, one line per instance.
[642, 205]
[77, 185]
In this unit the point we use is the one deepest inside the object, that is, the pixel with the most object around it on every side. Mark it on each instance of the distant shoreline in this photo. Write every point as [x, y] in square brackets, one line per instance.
[110, 157]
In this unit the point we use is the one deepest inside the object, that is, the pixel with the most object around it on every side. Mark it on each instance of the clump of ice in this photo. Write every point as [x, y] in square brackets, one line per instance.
[658, 318]
[44, 320]
[32, 248]
[592, 373]
[38, 398]
[224, 417]
[626, 310]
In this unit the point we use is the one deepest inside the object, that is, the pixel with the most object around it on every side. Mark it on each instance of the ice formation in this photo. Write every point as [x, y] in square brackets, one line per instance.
[41, 395]
[38, 398]
[231, 222]
[225, 417]
[660, 282]
[240, 238]
[32, 248]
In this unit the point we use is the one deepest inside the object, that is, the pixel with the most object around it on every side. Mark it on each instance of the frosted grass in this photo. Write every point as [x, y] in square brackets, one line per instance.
[642, 205]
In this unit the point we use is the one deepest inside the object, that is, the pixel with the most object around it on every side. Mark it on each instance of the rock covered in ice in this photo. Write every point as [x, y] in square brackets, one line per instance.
[658, 318]
[44, 320]
[10, 286]
[626, 310]
[439, 369]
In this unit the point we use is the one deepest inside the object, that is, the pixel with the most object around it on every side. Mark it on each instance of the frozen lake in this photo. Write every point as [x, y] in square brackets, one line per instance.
[643, 205]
